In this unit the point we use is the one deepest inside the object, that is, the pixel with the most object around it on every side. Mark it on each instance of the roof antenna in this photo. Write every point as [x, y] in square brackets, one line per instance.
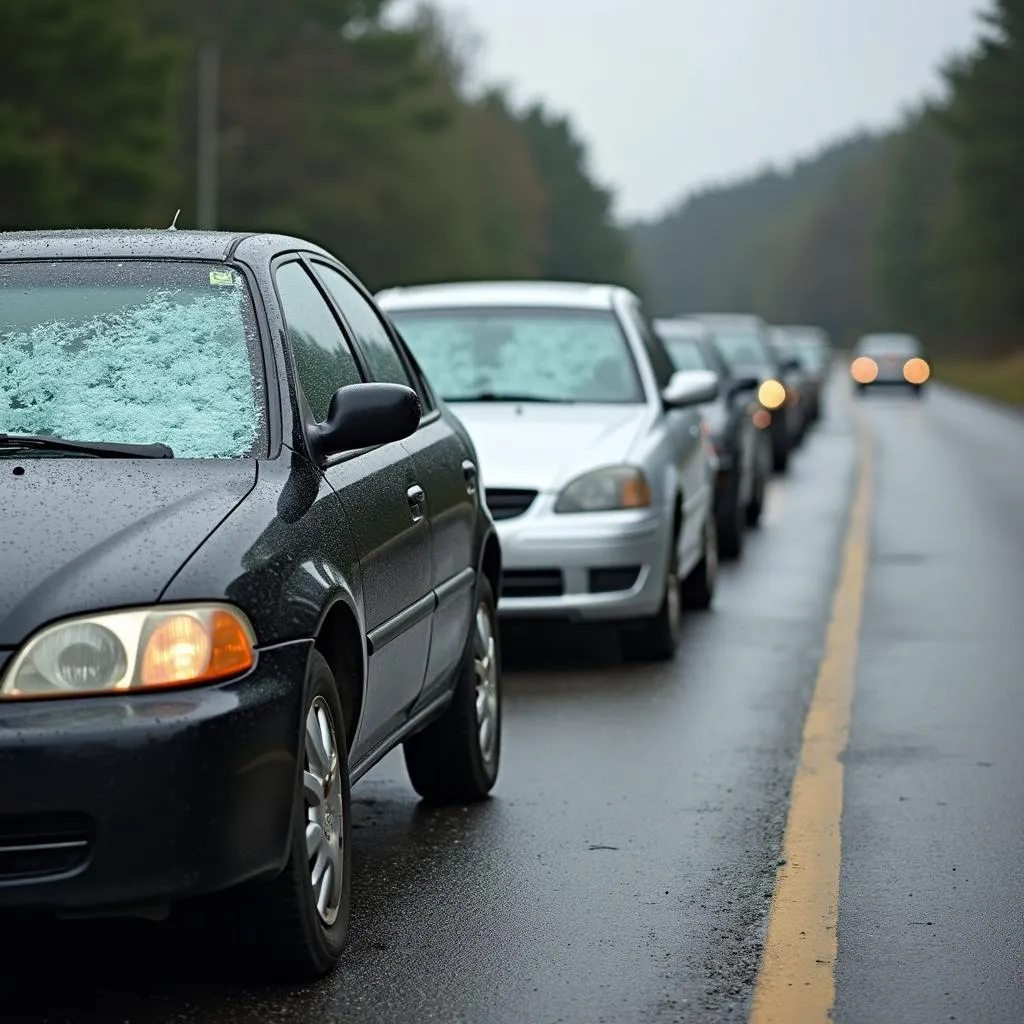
[174, 223]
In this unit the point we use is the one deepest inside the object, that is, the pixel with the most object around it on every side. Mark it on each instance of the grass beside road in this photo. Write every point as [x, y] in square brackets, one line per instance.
[1002, 379]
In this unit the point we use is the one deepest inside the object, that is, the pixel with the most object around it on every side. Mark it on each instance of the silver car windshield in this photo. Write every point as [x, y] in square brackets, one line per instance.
[131, 352]
[542, 355]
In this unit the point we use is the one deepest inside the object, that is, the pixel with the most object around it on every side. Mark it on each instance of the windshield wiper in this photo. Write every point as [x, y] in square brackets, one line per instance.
[100, 449]
[500, 396]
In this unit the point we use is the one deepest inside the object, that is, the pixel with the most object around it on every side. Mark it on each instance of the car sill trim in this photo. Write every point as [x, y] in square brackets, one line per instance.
[375, 756]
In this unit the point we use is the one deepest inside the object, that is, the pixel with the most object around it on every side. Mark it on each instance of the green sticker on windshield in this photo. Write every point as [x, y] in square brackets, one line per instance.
[221, 277]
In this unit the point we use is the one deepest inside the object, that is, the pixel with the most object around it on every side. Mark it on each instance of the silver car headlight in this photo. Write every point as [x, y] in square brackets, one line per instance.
[605, 490]
[144, 649]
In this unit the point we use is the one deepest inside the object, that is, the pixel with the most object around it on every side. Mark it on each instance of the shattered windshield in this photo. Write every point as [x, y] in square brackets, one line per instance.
[546, 355]
[131, 352]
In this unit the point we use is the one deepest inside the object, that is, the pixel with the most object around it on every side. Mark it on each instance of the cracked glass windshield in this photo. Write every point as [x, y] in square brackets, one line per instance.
[132, 353]
[523, 355]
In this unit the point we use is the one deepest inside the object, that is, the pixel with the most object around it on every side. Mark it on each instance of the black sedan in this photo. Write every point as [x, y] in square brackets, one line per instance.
[744, 343]
[811, 345]
[797, 379]
[743, 449]
[244, 556]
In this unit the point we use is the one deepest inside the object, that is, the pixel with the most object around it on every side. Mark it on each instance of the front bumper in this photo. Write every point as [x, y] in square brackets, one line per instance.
[110, 802]
[891, 380]
[597, 566]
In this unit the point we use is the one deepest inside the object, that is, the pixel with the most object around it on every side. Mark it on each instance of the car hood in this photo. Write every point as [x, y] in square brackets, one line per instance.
[542, 447]
[82, 534]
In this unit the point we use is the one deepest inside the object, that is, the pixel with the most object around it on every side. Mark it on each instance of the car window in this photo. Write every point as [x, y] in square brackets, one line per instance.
[522, 354]
[742, 347]
[687, 354]
[370, 334]
[132, 352]
[323, 359]
[661, 362]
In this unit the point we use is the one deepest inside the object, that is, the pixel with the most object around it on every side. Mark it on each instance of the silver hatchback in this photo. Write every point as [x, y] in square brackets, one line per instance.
[594, 457]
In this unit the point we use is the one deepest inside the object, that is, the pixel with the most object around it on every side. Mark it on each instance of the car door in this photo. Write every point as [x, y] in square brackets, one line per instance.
[447, 474]
[686, 440]
[379, 491]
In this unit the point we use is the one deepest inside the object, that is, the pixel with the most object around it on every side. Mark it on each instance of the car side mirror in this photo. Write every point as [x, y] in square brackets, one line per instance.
[364, 416]
[743, 384]
[691, 387]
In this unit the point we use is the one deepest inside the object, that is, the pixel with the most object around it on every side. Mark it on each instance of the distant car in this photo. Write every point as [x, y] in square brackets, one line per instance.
[744, 342]
[797, 380]
[742, 447]
[885, 360]
[594, 460]
[811, 345]
[245, 556]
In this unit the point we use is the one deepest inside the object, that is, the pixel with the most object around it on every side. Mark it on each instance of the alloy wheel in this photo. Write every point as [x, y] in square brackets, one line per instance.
[324, 812]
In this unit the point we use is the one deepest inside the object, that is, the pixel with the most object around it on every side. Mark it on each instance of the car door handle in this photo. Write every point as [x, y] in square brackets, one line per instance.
[417, 499]
[469, 472]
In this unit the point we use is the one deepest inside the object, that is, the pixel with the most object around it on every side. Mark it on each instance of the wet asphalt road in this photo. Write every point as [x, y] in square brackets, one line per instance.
[623, 870]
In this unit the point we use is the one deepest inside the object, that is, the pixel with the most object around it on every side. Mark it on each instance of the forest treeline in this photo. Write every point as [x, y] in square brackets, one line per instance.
[335, 123]
[918, 229]
[340, 124]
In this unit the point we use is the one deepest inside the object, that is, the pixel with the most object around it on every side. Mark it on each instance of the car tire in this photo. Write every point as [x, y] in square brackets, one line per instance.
[657, 638]
[731, 522]
[755, 507]
[860, 390]
[455, 759]
[918, 390]
[294, 926]
[698, 589]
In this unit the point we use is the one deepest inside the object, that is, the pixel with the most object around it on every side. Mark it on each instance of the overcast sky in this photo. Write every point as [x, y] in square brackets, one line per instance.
[670, 95]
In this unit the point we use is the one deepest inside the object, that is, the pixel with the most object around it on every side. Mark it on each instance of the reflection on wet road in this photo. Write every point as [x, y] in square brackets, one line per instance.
[624, 869]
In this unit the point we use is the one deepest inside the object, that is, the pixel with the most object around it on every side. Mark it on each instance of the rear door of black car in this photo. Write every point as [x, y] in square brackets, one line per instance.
[377, 488]
[444, 468]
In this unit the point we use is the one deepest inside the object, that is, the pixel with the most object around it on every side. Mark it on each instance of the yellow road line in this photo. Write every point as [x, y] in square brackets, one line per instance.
[796, 983]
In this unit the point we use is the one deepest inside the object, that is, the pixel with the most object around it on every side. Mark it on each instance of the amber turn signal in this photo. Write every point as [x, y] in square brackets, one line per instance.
[192, 649]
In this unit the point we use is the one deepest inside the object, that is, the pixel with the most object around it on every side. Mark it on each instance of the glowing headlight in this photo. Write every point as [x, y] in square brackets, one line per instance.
[604, 490]
[863, 370]
[132, 650]
[771, 394]
[916, 371]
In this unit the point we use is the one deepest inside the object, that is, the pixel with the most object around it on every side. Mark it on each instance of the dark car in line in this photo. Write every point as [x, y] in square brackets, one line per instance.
[742, 447]
[887, 360]
[244, 557]
[744, 343]
[813, 348]
[797, 381]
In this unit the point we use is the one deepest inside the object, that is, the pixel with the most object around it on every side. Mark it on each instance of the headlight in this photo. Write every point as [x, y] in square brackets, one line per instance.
[863, 370]
[771, 394]
[916, 371]
[604, 490]
[119, 652]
